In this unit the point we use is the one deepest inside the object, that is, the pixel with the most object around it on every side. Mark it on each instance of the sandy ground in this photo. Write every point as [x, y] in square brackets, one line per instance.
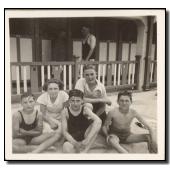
[146, 105]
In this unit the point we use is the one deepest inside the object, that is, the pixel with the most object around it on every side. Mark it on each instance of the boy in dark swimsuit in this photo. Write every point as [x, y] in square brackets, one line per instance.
[117, 126]
[80, 125]
[27, 125]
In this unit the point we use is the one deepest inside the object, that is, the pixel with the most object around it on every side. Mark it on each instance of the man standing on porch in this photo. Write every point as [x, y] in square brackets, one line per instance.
[88, 45]
[94, 92]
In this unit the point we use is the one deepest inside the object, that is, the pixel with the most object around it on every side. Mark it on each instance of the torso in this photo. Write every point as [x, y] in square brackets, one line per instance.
[77, 122]
[121, 121]
[56, 102]
[28, 122]
[86, 49]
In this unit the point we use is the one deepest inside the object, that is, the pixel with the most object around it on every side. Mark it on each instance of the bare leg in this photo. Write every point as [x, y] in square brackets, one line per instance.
[114, 142]
[39, 139]
[92, 139]
[19, 146]
[90, 144]
[68, 148]
[136, 138]
[47, 143]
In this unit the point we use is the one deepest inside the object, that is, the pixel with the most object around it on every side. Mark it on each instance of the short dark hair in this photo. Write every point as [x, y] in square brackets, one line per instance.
[76, 93]
[86, 26]
[89, 66]
[27, 94]
[56, 81]
[125, 93]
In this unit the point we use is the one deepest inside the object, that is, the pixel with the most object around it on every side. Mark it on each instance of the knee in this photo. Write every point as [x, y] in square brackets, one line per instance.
[68, 147]
[18, 142]
[88, 105]
[113, 139]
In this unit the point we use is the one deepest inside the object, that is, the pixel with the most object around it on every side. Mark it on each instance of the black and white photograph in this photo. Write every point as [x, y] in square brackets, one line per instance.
[85, 84]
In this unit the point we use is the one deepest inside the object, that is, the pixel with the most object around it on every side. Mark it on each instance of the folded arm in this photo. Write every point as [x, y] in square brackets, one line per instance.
[97, 100]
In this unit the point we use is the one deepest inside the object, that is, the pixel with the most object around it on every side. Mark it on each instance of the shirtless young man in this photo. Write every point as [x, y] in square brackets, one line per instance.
[117, 126]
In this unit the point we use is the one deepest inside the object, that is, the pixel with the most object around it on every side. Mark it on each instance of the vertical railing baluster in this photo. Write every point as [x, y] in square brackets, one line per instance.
[103, 74]
[133, 73]
[18, 80]
[64, 76]
[129, 75]
[70, 77]
[42, 75]
[25, 78]
[114, 83]
[119, 65]
[99, 69]
[81, 70]
[48, 72]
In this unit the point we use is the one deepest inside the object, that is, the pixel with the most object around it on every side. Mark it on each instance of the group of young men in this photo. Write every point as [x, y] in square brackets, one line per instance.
[77, 119]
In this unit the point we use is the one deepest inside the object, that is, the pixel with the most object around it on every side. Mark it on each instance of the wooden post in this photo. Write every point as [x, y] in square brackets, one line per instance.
[35, 72]
[109, 74]
[18, 48]
[34, 78]
[137, 71]
[97, 39]
[129, 52]
[146, 85]
[155, 73]
[108, 71]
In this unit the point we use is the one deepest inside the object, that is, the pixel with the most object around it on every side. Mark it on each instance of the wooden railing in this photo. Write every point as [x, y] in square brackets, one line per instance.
[32, 75]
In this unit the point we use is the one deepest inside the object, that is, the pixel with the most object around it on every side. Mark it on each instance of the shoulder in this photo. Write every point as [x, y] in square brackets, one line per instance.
[133, 112]
[81, 80]
[113, 111]
[62, 93]
[16, 115]
[43, 96]
[100, 84]
[87, 112]
[80, 84]
[64, 112]
[92, 37]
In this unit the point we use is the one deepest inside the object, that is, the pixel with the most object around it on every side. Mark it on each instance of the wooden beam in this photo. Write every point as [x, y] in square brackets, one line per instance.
[69, 43]
[148, 53]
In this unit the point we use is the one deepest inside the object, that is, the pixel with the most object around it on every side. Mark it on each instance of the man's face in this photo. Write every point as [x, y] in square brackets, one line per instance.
[75, 103]
[90, 76]
[84, 31]
[28, 103]
[124, 103]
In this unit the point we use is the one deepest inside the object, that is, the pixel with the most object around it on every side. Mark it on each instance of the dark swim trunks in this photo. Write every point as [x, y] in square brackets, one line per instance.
[122, 134]
[96, 107]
